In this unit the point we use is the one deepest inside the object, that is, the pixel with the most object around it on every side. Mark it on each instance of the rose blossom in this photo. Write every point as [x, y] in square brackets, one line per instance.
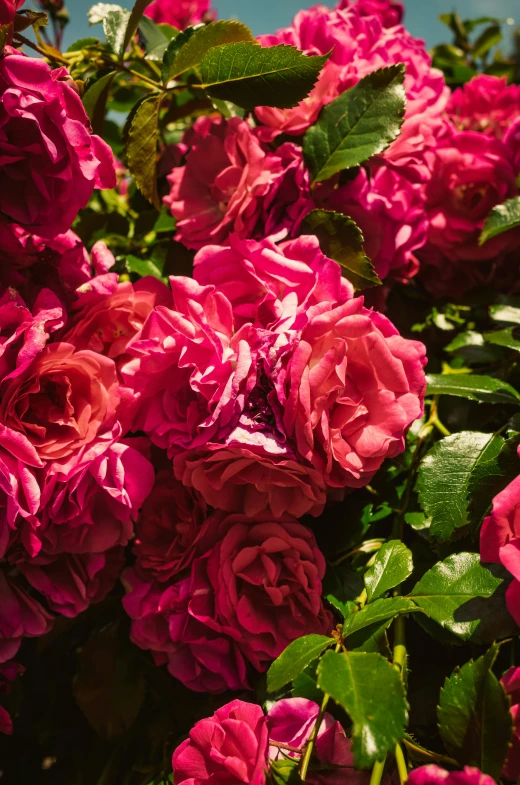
[164, 622]
[486, 104]
[434, 775]
[290, 722]
[173, 527]
[233, 183]
[390, 12]
[62, 401]
[7, 12]
[512, 142]
[9, 672]
[500, 540]
[358, 44]
[57, 161]
[511, 683]
[20, 616]
[389, 210]
[230, 747]
[180, 13]
[266, 578]
[72, 582]
[272, 285]
[106, 323]
[19, 488]
[350, 389]
[191, 368]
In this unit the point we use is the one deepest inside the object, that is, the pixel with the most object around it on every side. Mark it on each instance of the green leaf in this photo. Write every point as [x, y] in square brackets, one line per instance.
[392, 565]
[295, 658]
[372, 693]
[83, 43]
[5, 31]
[484, 389]
[250, 75]
[459, 477]
[474, 718]
[358, 124]
[95, 99]
[466, 598]
[98, 12]
[203, 39]
[156, 37]
[509, 338]
[114, 26]
[502, 218]
[505, 313]
[143, 267]
[489, 38]
[284, 772]
[341, 239]
[138, 10]
[141, 148]
[377, 612]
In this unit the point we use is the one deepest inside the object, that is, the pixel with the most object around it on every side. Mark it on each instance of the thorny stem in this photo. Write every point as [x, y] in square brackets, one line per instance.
[367, 547]
[309, 747]
[284, 746]
[49, 55]
[427, 754]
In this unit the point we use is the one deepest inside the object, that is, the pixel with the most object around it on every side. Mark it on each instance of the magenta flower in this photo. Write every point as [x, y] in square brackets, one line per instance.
[511, 683]
[434, 775]
[20, 616]
[180, 13]
[486, 104]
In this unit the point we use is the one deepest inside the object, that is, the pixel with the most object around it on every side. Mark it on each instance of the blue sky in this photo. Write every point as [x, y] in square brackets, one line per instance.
[265, 16]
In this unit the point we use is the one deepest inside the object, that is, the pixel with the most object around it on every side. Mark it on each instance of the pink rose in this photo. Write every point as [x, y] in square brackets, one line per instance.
[512, 142]
[31, 263]
[290, 722]
[486, 104]
[359, 43]
[500, 540]
[62, 401]
[191, 369]
[58, 162]
[434, 775]
[9, 672]
[233, 183]
[71, 582]
[90, 509]
[230, 747]
[511, 684]
[180, 13]
[106, 323]
[163, 622]
[350, 389]
[7, 12]
[20, 617]
[173, 528]
[19, 488]
[272, 285]
[241, 476]
[266, 578]
[389, 209]
[390, 12]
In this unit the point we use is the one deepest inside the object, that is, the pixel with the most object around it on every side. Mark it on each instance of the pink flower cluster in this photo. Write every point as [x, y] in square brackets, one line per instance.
[237, 744]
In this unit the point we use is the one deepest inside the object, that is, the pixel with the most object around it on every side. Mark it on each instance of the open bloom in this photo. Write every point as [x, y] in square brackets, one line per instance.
[49, 173]
[233, 183]
[511, 683]
[179, 13]
[230, 747]
[19, 488]
[486, 104]
[20, 616]
[434, 775]
[500, 540]
[272, 286]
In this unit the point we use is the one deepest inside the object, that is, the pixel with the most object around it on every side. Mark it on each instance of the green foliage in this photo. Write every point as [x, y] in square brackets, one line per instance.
[341, 239]
[250, 75]
[358, 124]
[485, 389]
[138, 10]
[95, 98]
[294, 659]
[474, 718]
[141, 148]
[115, 23]
[284, 772]
[392, 565]
[466, 598]
[180, 58]
[502, 218]
[372, 693]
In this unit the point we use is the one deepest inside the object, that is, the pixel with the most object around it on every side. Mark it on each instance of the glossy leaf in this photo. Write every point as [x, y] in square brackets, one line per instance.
[502, 218]
[295, 658]
[138, 10]
[489, 38]
[95, 98]
[505, 313]
[143, 267]
[284, 772]
[114, 26]
[204, 38]
[485, 389]
[250, 75]
[474, 718]
[358, 124]
[155, 38]
[466, 598]
[392, 565]
[99, 11]
[372, 693]
[377, 612]
[341, 239]
[508, 338]
[141, 148]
